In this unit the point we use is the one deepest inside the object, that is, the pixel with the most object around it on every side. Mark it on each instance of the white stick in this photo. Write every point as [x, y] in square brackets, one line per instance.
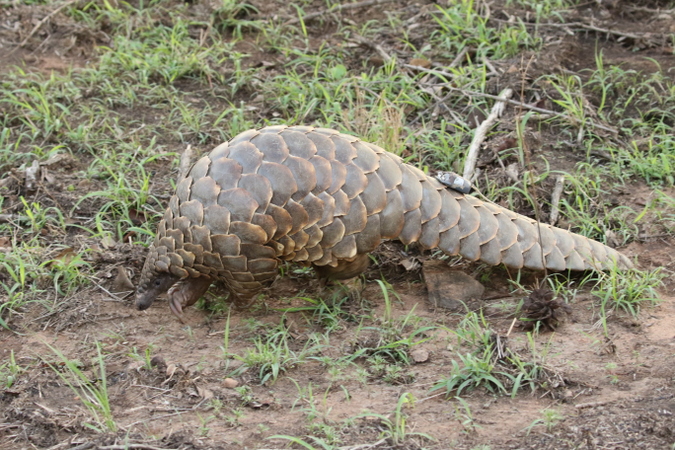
[555, 198]
[481, 132]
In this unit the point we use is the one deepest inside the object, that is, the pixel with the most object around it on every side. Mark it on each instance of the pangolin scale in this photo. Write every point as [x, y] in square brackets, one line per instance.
[316, 196]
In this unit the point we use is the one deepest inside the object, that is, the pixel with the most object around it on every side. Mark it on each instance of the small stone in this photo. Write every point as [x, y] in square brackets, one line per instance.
[420, 355]
[230, 383]
[451, 289]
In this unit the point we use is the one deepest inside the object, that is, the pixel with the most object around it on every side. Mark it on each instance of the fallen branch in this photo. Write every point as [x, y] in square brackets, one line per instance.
[481, 132]
[336, 8]
[509, 101]
[185, 159]
[555, 199]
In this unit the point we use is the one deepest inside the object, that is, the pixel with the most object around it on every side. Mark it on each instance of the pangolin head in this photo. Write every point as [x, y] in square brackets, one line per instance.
[153, 282]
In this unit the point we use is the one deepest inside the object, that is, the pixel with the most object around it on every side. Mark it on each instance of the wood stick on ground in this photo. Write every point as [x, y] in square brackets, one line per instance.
[509, 101]
[555, 199]
[44, 20]
[481, 132]
[314, 15]
[185, 165]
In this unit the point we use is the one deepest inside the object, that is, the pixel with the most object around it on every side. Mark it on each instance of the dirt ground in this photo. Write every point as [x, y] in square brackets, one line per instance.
[615, 392]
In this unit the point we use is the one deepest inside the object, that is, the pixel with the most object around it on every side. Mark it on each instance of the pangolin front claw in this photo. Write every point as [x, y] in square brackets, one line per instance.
[186, 293]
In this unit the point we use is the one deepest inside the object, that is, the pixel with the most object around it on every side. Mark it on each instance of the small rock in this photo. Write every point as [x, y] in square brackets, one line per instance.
[230, 383]
[420, 355]
[451, 289]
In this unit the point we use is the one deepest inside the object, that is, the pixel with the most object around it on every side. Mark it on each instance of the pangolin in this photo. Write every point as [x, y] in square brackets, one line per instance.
[316, 196]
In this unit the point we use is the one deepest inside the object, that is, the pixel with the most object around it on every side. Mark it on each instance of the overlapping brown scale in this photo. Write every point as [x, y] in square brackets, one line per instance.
[315, 235]
[555, 260]
[342, 203]
[469, 246]
[298, 143]
[355, 181]
[298, 215]
[239, 202]
[256, 251]
[248, 232]
[325, 147]
[272, 146]
[547, 240]
[563, 241]
[304, 175]
[204, 190]
[366, 159]
[267, 223]
[410, 189]
[508, 233]
[328, 209]
[201, 235]
[220, 151]
[217, 219]
[258, 187]
[168, 242]
[469, 218]
[225, 172]
[188, 257]
[369, 238]
[247, 155]
[431, 202]
[313, 206]
[177, 237]
[226, 244]
[323, 172]
[374, 195]
[392, 216]
[526, 233]
[182, 191]
[282, 218]
[450, 211]
[412, 227]
[184, 227]
[338, 176]
[534, 258]
[344, 150]
[213, 261]
[244, 137]
[430, 236]
[390, 171]
[281, 179]
[489, 226]
[491, 252]
[513, 257]
[355, 219]
[194, 211]
[300, 238]
[200, 168]
[197, 251]
[333, 233]
[314, 253]
[346, 248]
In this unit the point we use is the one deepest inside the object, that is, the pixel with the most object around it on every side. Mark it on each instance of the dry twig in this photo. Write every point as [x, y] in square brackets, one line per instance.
[481, 132]
[555, 199]
[509, 101]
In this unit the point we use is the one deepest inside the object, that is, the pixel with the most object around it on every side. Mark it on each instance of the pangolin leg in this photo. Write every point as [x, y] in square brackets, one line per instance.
[344, 269]
[185, 293]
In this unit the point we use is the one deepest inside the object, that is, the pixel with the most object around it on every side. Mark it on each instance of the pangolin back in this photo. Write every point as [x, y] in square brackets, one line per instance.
[314, 195]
